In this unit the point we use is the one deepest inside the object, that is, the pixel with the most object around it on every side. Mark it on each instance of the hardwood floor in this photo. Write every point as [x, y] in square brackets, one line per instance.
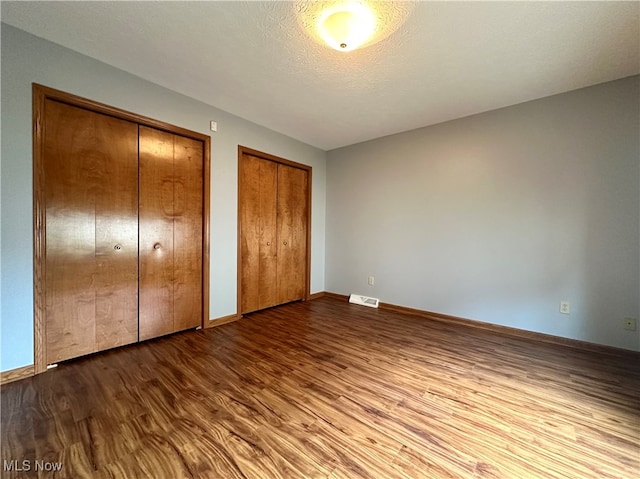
[325, 389]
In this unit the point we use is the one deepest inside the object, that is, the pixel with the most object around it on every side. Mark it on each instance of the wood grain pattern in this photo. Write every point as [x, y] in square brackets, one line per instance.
[187, 233]
[116, 208]
[317, 295]
[292, 233]
[39, 233]
[273, 231]
[171, 232]
[214, 323]
[156, 214]
[16, 374]
[325, 389]
[206, 220]
[268, 234]
[90, 195]
[248, 233]
[258, 237]
[41, 97]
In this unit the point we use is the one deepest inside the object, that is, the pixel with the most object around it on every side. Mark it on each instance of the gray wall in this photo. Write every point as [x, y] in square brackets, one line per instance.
[27, 59]
[499, 216]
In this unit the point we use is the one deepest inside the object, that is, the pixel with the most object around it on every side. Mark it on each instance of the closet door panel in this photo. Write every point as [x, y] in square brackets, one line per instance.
[117, 249]
[292, 233]
[258, 239]
[90, 285]
[188, 204]
[268, 245]
[156, 246]
[249, 206]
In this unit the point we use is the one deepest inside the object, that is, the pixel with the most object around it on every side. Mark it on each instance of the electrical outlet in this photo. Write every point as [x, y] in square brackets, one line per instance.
[630, 324]
[372, 281]
[565, 307]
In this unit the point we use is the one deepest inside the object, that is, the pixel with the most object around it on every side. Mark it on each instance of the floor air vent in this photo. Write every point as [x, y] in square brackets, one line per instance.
[364, 300]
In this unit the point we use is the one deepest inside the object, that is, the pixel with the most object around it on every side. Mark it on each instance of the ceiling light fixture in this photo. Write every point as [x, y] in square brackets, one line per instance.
[377, 20]
[345, 27]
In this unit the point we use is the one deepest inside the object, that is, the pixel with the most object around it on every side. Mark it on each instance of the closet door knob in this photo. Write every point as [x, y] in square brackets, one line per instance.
[268, 243]
[156, 246]
[117, 247]
[285, 243]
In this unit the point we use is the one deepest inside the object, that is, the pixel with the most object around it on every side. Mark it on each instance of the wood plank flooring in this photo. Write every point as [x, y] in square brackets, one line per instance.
[325, 389]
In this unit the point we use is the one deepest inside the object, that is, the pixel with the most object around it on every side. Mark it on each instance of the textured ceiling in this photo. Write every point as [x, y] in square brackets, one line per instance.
[435, 61]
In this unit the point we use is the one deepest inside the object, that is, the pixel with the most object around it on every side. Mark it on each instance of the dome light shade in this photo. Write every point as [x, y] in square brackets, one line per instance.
[346, 27]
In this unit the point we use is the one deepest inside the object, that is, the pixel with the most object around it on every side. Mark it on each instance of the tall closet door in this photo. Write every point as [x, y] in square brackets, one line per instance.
[292, 233]
[259, 242]
[90, 164]
[188, 204]
[273, 216]
[170, 216]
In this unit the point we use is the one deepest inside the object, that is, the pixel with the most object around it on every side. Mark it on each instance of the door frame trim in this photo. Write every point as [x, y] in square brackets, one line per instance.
[40, 94]
[283, 161]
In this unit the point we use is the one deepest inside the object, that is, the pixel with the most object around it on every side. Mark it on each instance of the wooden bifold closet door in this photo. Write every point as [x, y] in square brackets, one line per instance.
[170, 233]
[274, 231]
[291, 233]
[91, 201]
[121, 235]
